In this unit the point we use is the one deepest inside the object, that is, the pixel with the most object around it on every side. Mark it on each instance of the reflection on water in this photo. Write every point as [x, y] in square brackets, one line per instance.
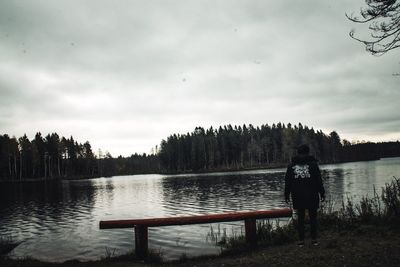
[359, 178]
[58, 221]
[207, 194]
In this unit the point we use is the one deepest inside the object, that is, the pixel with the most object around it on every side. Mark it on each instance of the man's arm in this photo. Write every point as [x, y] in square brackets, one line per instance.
[321, 189]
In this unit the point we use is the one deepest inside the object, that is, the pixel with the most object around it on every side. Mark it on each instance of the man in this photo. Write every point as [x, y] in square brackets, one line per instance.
[303, 182]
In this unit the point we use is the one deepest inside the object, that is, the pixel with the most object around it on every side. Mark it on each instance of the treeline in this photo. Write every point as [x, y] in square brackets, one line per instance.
[226, 148]
[52, 157]
[237, 147]
[241, 147]
[369, 151]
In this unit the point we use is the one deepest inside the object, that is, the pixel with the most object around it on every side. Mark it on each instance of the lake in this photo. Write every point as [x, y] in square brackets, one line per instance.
[59, 220]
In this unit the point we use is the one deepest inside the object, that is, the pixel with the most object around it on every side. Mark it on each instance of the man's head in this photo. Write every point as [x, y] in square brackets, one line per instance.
[303, 149]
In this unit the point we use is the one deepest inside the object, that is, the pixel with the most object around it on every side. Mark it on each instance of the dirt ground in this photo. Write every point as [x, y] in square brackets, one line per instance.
[365, 246]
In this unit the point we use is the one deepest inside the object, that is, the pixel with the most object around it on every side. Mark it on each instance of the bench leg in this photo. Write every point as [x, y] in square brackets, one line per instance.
[141, 241]
[251, 231]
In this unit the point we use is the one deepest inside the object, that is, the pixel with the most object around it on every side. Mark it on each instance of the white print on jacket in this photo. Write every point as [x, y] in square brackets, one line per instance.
[301, 171]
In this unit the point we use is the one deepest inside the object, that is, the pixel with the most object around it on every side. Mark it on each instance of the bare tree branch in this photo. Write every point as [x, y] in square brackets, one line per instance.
[384, 16]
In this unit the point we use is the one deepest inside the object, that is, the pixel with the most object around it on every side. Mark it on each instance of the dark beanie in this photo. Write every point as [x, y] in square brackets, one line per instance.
[303, 149]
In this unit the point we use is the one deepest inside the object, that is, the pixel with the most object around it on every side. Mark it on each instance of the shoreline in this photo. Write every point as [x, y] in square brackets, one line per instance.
[367, 245]
[217, 171]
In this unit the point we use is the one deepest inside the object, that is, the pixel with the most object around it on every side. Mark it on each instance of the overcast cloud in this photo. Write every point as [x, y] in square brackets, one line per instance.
[126, 74]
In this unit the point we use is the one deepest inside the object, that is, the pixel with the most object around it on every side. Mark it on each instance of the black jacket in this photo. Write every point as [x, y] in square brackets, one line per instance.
[303, 182]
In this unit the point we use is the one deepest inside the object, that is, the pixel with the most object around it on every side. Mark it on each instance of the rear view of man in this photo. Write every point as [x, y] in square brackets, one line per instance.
[303, 182]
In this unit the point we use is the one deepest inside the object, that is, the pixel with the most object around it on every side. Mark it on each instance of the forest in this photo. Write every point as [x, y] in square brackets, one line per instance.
[52, 157]
[246, 147]
[226, 148]
[234, 147]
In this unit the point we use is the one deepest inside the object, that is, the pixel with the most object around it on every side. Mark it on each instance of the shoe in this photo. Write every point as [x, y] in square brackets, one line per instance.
[314, 242]
[300, 244]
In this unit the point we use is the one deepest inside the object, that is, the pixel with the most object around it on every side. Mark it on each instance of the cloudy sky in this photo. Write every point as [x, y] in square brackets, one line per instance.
[126, 74]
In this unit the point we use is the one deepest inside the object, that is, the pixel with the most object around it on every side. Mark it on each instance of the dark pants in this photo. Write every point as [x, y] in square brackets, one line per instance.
[313, 222]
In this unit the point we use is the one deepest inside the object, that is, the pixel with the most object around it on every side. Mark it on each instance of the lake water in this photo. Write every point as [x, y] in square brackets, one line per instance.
[58, 221]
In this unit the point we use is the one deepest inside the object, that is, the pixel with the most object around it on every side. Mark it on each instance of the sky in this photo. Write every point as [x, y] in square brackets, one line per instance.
[126, 74]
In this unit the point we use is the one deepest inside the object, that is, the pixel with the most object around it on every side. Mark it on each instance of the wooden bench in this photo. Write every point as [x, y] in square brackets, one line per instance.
[141, 225]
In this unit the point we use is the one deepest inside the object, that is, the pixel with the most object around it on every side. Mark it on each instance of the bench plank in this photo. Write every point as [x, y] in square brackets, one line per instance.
[197, 219]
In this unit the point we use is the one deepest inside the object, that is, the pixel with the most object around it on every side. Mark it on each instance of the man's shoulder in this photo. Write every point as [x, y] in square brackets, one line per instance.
[309, 161]
[291, 166]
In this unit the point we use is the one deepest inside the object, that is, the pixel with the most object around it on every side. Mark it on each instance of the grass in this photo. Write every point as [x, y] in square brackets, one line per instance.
[364, 246]
[380, 209]
[153, 256]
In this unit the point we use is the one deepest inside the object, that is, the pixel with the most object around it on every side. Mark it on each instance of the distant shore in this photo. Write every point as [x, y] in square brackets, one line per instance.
[209, 171]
